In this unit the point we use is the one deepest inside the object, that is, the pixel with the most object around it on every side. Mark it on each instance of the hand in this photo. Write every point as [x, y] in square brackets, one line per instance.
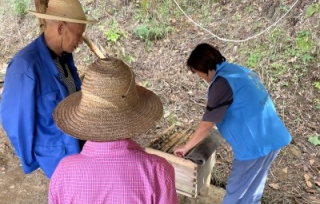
[181, 151]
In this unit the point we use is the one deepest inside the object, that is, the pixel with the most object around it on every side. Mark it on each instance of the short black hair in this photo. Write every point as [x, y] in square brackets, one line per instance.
[204, 57]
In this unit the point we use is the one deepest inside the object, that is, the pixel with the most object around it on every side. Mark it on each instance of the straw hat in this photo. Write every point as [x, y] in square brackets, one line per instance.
[64, 10]
[110, 105]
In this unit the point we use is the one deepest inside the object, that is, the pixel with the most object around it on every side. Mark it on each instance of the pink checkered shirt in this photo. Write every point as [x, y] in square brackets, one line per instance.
[117, 172]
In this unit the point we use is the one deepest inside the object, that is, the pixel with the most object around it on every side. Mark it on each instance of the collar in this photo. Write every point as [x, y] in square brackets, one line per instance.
[218, 68]
[55, 56]
[118, 147]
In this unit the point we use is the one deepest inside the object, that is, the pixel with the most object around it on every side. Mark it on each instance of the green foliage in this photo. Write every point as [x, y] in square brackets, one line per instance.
[126, 57]
[317, 85]
[172, 119]
[317, 104]
[141, 32]
[114, 33]
[20, 7]
[315, 140]
[303, 41]
[312, 9]
[149, 32]
[253, 59]
[302, 48]
[144, 5]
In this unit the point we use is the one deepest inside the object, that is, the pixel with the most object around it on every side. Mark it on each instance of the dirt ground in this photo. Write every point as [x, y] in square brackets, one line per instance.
[287, 57]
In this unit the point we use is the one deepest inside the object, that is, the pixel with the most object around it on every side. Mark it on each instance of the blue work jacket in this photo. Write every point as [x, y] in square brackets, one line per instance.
[33, 87]
[251, 124]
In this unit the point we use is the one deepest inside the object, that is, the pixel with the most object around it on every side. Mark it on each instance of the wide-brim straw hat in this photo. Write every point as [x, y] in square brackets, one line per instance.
[110, 105]
[64, 10]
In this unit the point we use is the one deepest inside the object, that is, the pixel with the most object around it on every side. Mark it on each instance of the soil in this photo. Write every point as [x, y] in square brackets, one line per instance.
[159, 65]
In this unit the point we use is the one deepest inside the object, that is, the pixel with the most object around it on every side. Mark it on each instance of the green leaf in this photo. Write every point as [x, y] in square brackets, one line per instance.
[314, 8]
[166, 113]
[317, 85]
[315, 140]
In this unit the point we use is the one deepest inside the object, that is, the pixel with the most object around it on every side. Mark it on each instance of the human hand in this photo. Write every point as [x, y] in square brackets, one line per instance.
[181, 151]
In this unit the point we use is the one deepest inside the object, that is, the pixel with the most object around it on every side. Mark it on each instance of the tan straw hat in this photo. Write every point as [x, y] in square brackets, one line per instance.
[64, 10]
[110, 105]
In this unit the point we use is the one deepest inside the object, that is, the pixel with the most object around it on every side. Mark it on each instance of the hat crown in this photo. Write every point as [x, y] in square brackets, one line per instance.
[110, 105]
[66, 8]
[109, 83]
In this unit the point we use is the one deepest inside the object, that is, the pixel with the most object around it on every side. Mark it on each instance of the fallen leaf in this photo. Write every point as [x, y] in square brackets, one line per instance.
[311, 161]
[285, 170]
[274, 185]
[317, 183]
[309, 184]
[306, 177]
[315, 140]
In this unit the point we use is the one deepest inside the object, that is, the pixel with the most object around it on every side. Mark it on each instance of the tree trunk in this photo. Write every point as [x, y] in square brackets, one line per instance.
[41, 7]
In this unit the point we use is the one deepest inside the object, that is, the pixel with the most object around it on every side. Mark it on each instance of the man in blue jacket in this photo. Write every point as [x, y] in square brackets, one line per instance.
[39, 76]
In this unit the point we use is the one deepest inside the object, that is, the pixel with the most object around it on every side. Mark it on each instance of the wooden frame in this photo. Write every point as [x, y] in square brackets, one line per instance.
[190, 178]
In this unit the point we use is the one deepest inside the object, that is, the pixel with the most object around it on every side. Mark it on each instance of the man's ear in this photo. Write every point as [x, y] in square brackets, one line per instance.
[61, 27]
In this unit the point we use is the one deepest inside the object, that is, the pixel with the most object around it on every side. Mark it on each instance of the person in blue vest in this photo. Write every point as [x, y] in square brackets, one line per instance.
[39, 76]
[241, 108]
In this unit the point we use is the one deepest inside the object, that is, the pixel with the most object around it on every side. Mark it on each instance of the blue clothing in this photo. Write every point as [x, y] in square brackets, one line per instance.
[247, 180]
[33, 87]
[251, 124]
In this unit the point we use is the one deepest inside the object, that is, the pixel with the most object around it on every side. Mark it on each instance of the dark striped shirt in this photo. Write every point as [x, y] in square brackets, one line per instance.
[63, 68]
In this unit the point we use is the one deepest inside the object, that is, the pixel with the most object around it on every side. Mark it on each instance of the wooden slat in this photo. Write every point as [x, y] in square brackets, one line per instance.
[204, 173]
[187, 189]
[180, 142]
[162, 134]
[172, 158]
[174, 140]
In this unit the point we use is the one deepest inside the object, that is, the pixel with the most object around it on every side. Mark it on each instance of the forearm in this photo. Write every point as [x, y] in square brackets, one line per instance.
[201, 132]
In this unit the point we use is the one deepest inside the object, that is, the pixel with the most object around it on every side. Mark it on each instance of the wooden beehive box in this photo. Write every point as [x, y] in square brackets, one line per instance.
[189, 177]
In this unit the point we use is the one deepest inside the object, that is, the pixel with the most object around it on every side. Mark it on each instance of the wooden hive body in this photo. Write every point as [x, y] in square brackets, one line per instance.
[189, 177]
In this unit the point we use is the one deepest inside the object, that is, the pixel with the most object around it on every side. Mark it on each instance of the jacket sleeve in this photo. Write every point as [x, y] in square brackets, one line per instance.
[18, 112]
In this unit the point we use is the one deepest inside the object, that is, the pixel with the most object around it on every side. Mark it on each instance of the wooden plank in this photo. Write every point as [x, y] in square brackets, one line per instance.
[184, 177]
[180, 142]
[204, 172]
[175, 140]
[172, 158]
[166, 131]
[187, 183]
[186, 189]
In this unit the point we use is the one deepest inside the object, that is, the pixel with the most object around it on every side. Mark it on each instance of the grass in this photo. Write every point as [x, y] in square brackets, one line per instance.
[113, 32]
[20, 7]
[312, 10]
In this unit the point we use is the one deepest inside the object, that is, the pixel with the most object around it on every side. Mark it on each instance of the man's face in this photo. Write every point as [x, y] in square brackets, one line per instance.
[72, 36]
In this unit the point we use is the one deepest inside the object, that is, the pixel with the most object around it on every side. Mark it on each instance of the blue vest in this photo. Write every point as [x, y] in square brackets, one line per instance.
[251, 124]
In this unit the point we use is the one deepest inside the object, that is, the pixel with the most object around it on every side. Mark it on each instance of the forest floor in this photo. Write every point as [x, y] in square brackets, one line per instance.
[155, 38]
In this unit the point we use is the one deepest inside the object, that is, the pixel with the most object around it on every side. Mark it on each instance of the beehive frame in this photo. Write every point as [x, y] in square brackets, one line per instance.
[189, 177]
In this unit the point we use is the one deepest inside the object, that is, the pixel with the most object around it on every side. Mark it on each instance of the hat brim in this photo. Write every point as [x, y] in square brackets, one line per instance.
[59, 18]
[112, 126]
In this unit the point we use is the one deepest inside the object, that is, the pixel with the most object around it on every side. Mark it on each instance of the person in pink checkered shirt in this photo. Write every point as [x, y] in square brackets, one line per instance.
[112, 168]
